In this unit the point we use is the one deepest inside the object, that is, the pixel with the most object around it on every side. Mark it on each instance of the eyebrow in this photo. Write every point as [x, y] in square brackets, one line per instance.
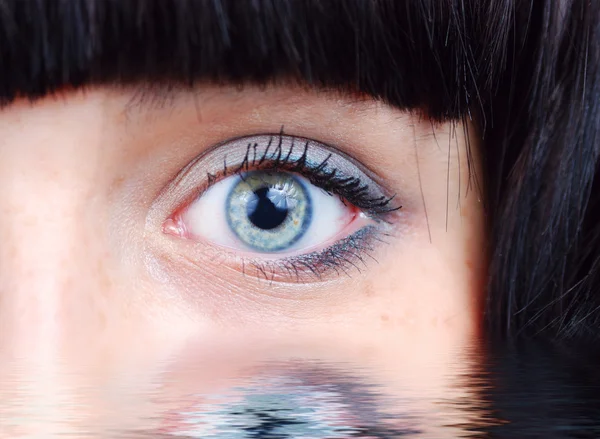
[398, 51]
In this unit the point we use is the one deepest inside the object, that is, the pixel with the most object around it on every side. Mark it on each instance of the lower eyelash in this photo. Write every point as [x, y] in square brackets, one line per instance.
[344, 256]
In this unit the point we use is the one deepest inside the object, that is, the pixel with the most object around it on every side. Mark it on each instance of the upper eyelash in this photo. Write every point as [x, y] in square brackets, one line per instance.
[349, 188]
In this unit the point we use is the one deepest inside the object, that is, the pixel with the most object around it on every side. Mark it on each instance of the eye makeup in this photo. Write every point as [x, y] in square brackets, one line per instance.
[322, 165]
[372, 208]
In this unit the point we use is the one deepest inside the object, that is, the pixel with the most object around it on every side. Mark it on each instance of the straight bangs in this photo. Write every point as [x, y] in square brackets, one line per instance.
[443, 57]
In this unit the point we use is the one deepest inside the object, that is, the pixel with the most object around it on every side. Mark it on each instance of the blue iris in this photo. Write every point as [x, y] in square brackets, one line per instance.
[269, 211]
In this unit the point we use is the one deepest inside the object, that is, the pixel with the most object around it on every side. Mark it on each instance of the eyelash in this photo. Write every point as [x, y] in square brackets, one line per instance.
[344, 255]
[349, 189]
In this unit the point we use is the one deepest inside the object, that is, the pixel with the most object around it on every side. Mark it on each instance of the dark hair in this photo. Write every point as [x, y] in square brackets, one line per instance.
[525, 71]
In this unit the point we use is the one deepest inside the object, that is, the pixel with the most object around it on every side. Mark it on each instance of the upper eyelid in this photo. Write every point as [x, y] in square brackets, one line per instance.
[298, 142]
[231, 156]
[319, 150]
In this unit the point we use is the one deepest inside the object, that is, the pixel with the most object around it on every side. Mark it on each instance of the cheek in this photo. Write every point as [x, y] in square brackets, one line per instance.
[426, 294]
[428, 291]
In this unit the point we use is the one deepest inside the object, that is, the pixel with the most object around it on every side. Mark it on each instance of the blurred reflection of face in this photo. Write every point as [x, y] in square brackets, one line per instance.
[219, 227]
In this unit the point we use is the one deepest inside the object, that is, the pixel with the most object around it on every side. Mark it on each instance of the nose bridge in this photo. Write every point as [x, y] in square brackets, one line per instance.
[46, 255]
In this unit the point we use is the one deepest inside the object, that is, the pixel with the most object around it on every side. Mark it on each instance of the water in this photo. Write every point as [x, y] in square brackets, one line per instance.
[532, 390]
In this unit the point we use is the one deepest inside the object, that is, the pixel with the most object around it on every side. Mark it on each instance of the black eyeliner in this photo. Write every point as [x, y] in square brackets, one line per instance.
[346, 255]
[322, 174]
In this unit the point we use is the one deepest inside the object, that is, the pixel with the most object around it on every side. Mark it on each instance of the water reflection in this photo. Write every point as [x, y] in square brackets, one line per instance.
[542, 390]
[297, 400]
[521, 391]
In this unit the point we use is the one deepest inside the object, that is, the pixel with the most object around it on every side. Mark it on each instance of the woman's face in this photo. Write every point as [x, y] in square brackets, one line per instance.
[276, 222]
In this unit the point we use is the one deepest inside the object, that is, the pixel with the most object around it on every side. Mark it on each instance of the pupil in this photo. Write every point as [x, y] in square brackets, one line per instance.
[268, 208]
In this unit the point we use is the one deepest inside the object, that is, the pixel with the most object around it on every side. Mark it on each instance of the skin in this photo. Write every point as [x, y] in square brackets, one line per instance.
[95, 294]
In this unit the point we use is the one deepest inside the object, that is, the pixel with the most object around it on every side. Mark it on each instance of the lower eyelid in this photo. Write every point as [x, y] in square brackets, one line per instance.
[345, 256]
[342, 257]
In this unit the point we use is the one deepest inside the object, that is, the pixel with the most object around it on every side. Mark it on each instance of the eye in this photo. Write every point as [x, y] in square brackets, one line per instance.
[268, 212]
[280, 203]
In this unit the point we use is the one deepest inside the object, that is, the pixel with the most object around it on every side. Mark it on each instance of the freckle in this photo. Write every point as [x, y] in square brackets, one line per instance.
[385, 318]
[104, 282]
[117, 183]
[369, 291]
[12, 252]
[102, 320]
[401, 320]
